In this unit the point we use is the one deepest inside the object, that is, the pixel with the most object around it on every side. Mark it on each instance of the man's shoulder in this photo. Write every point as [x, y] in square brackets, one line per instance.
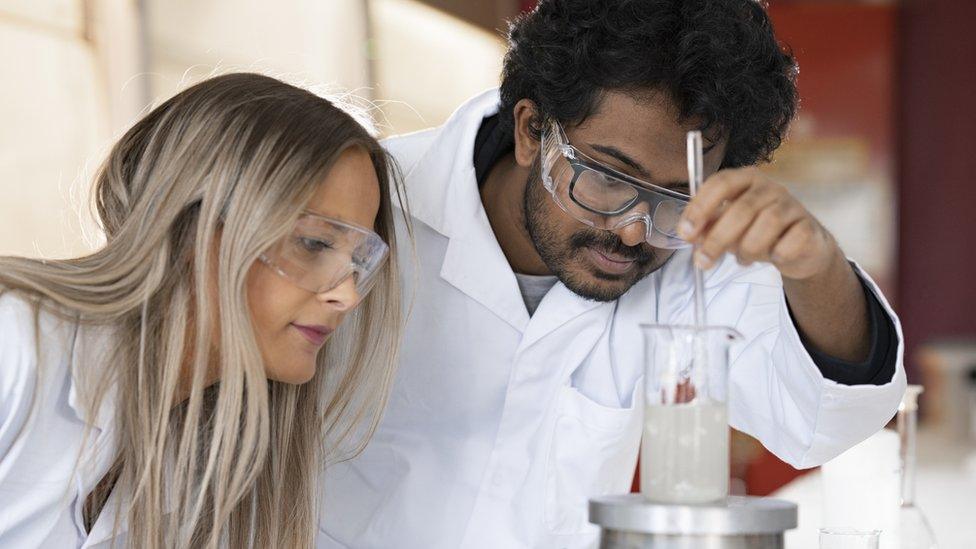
[455, 135]
[407, 149]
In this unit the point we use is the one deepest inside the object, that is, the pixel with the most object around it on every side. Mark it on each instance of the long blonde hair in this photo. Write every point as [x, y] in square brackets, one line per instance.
[236, 463]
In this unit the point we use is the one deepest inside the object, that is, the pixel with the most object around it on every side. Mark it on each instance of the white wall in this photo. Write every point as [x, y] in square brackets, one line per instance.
[428, 63]
[77, 73]
[320, 42]
[416, 62]
[51, 123]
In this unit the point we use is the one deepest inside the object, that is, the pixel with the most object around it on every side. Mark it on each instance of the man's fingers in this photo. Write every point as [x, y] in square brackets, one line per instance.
[727, 231]
[804, 250]
[720, 187]
[770, 225]
[795, 242]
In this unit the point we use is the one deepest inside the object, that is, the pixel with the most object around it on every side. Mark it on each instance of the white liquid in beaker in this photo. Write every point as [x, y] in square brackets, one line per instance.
[685, 453]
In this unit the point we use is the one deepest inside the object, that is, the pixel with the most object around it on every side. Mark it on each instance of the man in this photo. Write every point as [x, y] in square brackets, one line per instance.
[549, 219]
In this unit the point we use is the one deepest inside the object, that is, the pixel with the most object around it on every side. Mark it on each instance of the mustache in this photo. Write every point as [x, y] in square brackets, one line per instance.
[609, 242]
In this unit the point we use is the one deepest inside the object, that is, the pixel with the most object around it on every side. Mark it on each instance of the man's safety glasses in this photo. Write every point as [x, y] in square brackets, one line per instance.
[604, 198]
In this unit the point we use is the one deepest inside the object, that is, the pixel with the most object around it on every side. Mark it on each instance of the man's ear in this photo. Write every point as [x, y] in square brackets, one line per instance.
[526, 117]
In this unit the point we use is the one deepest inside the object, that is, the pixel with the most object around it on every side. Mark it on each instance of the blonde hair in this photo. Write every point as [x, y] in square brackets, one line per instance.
[237, 462]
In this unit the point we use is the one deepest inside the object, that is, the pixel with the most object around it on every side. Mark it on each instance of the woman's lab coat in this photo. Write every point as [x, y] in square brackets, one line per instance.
[47, 465]
[501, 426]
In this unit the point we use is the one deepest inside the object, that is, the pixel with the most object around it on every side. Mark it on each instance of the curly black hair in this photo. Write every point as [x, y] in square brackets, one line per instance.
[718, 60]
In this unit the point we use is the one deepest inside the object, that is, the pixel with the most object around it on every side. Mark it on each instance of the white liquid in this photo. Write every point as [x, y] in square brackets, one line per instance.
[685, 453]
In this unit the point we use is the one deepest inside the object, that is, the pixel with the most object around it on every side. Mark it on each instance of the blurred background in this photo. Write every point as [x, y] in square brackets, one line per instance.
[879, 152]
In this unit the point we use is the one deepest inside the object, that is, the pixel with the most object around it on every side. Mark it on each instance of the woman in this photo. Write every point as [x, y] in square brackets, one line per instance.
[182, 386]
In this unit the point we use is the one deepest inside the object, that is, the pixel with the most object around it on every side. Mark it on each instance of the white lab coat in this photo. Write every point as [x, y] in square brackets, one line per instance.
[501, 426]
[47, 467]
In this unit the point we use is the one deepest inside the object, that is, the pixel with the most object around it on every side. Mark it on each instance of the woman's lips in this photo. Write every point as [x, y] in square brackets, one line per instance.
[315, 335]
[613, 265]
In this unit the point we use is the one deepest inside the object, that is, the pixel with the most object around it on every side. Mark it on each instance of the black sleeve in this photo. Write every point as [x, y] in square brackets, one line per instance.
[880, 365]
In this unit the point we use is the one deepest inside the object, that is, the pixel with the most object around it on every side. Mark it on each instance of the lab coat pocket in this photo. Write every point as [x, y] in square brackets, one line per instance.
[593, 452]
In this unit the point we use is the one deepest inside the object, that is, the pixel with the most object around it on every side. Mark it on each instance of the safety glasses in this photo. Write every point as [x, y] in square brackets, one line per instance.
[320, 253]
[604, 198]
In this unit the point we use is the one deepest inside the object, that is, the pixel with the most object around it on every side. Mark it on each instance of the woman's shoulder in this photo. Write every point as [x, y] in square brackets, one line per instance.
[18, 341]
[24, 317]
[43, 433]
[15, 306]
[27, 328]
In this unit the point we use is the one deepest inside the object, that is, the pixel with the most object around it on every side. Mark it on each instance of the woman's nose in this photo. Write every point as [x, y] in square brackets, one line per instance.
[343, 297]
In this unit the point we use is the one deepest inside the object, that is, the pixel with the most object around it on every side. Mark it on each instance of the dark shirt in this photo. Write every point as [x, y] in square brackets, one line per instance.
[492, 143]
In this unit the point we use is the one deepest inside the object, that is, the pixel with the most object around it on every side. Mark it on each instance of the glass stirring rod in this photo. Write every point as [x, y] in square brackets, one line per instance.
[695, 170]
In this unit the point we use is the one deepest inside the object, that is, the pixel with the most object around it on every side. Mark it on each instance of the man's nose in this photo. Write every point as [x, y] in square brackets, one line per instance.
[635, 232]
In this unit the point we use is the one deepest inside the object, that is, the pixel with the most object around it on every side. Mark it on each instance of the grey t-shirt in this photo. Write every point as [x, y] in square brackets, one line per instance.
[534, 288]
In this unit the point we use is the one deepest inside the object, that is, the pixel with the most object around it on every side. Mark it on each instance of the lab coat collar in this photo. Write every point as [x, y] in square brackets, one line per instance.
[474, 264]
[445, 196]
[439, 183]
[90, 345]
[557, 308]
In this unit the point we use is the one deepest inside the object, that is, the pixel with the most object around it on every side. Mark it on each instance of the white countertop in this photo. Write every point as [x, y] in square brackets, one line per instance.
[945, 491]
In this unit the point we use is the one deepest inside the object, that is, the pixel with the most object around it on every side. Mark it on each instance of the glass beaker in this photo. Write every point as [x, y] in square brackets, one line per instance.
[685, 445]
[915, 532]
[849, 538]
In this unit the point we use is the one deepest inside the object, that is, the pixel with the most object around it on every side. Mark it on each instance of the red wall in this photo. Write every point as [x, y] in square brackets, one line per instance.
[847, 85]
[937, 191]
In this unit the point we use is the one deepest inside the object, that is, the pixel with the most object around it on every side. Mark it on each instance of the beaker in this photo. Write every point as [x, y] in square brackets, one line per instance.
[849, 538]
[685, 445]
[914, 532]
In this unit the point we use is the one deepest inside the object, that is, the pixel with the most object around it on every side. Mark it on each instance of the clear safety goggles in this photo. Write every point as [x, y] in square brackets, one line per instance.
[604, 198]
[320, 253]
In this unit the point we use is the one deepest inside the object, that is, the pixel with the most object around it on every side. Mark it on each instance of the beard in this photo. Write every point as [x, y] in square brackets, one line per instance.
[564, 256]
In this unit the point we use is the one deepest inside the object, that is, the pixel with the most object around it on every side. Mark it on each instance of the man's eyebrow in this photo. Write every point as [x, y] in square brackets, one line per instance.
[633, 164]
[622, 157]
[679, 186]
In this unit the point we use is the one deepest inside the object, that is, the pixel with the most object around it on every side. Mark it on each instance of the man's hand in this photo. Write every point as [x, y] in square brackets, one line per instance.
[743, 212]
